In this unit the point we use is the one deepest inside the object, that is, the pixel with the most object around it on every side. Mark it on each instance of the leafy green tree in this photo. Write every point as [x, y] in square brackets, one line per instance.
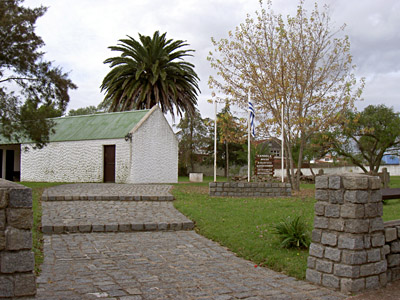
[365, 137]
[149, 72]
[231, 131]
[298, 62]
[230, 140]
[89, 110]
[31, 89]
[317, 145]
[193, 139]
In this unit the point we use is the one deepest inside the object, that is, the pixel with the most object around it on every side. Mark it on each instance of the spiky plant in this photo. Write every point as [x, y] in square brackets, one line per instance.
[293, 233]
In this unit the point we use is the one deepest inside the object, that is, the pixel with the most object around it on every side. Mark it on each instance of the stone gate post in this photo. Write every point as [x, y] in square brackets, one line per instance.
[347, 249]
[16, 258]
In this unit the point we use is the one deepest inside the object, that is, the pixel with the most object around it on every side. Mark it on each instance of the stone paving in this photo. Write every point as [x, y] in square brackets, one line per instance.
[99, 216]
[158, 265]
[150, 264]
[108, 192]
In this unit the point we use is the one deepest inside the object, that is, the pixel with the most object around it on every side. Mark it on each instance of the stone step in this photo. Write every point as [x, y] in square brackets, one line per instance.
[86, 228]
[111, 216]
[94, 197]
[108, 192]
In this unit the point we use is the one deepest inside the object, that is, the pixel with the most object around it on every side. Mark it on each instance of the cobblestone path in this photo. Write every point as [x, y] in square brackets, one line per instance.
[149, 264]
[99, 216]
[108, 191]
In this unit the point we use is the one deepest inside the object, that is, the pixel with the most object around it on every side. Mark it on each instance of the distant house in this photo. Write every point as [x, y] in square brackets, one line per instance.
[328, 158]
[122, 147]
[274, 146]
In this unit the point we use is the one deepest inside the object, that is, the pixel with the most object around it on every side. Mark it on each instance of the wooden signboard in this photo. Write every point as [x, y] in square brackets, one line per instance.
[264, 165]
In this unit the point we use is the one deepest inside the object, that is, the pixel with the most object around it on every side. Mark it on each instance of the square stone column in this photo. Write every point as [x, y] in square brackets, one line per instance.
[347, 250]
[16, 258]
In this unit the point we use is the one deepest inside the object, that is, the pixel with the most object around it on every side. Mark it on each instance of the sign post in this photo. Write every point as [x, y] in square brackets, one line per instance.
[264, 165]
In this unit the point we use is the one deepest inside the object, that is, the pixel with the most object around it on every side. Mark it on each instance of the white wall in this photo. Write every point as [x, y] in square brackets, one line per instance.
[394, 170]
[155, 152]
[75, 161]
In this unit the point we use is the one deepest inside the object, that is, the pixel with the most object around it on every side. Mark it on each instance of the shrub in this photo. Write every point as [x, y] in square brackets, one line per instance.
[293, 233]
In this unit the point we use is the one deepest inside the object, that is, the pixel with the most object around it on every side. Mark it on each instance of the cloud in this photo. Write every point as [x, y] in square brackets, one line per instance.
[78, 33]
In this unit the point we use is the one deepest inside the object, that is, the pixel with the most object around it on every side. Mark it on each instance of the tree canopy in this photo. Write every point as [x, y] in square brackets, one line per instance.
[366, 136]
[193, 139]
[31, 89]
[88, 110]
[297, 62]
[149, 72]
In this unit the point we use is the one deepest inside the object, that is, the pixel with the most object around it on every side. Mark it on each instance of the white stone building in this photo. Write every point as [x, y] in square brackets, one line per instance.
[122, 147]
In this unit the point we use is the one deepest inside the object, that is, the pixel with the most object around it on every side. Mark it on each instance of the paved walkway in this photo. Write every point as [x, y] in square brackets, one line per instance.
[105, 216]
[148, 264]
[108, 191]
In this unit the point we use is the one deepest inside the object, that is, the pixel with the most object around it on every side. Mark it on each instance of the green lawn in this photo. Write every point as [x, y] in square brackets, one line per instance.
[391, 209]
[245, 225]
[395, 181]
[37, 236]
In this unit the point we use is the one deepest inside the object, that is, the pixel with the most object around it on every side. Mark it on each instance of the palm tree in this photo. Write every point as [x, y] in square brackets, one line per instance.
[148, 73]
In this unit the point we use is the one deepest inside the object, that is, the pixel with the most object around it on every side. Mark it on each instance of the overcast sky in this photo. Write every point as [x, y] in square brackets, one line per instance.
[78, 33]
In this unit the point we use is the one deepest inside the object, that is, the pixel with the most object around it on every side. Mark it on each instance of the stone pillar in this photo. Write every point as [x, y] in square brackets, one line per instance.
[347, 249]
[16, 258]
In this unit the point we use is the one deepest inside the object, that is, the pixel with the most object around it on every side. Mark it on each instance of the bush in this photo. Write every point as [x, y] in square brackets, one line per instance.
[293, 233]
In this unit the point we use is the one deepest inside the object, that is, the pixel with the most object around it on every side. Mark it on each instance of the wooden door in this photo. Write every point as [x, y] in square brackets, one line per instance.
[109, 163]
[10, 165]
[1, 163]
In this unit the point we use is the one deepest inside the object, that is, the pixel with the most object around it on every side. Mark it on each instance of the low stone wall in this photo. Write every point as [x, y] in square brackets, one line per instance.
[392, 249]
[16, 258]
[250, 189]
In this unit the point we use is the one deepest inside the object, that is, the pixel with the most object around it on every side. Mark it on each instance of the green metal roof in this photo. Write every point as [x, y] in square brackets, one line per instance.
[96, 127]
[93, 127]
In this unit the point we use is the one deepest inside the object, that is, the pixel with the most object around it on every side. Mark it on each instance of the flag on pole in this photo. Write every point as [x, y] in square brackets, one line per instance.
[252, 114]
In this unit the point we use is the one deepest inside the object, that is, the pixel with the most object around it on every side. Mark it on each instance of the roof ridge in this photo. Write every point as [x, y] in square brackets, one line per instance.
[101, 114]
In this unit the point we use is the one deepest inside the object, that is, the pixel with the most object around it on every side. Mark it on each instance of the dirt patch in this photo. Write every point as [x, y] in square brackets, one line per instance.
[192, 189]
[390, 292]
[304, 193]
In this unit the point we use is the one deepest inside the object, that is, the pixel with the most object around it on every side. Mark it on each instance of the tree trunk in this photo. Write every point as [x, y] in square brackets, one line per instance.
[289, 160]
[299, 163]
[227, 160]
[191, 149]
[312, 172]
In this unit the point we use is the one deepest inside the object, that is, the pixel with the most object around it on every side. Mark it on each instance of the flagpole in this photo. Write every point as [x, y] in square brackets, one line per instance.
[248, 141]
[215, 141]
[282, 143]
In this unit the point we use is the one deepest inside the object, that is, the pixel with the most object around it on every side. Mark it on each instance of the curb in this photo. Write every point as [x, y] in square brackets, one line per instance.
[87, 228]
[107, 198]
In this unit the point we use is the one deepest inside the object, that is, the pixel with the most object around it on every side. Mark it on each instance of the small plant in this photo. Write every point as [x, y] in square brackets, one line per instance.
[293, 233]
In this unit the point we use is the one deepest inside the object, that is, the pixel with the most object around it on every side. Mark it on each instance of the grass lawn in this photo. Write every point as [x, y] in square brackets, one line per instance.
[391, 210]
[394, 182]
[245, 225]
[37, 236]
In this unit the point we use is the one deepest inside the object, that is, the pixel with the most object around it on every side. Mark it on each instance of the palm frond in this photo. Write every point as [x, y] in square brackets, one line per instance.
[151, 71]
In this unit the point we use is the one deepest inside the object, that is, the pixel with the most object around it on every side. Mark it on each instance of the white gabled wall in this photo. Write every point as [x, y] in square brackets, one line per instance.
[154, 151]
[74, 161]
